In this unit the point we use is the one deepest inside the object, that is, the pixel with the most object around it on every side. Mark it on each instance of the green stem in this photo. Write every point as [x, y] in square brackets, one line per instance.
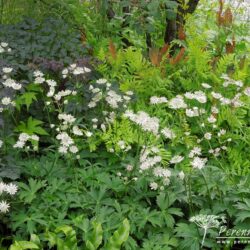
[208, 191]
[204, 237]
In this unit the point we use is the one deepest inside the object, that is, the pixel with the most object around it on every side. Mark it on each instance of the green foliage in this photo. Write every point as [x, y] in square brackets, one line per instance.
[31, 127]
[119, 236]
[68, 239]
[105, 153]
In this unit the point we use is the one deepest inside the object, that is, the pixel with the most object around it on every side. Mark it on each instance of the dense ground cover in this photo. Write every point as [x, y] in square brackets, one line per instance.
[124, 125]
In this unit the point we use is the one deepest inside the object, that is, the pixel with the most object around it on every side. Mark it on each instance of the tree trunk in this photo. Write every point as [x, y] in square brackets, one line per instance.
[173, 26]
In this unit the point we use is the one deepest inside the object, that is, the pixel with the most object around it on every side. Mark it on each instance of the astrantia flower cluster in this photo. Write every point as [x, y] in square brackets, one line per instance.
[23, 139]
[6, 189]
[158, 100]
[177, 103]
[114, 99]
[147, 123]
[168, 133]
[66, 143]
[147, 161]
[75, 70]
[39, 77]
[197, 95]
[150, 160]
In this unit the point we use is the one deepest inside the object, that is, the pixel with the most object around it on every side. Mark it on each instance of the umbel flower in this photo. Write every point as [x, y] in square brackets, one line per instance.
[207, 221]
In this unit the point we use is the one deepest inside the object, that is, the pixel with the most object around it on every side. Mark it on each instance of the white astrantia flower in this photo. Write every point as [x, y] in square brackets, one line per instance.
[62, 94]
[176, 159]
[78, 71]
[6, 101]
[153, 186]
[103, 127]
[222, 132]
[158, 100]
[211, 119]
[208, 136]
[225, 101]
[7, 70]
[142, 119]
[200, 96]
[177, 103]
[65, 71]
[65, 139]
[181, 175]
[73, 149]
[101, 81]
[66, 118]
[34, 137]
[92, 104]
[206, 86]
[168, 133]
[4, 207]
[198, 162]
[2, 187]
[216, 95]
[51, 83]
[39, 80]
[129, 93]
[195, 151]
[247, 91]
[210, 151]
[10, 83]
[214, 110]
[88, 134]
[1, 143]
[150, 162]
[161, 172]
[38, 73]
[11, 189]
[129, 168]
[77, 131]
[121, 144]
[113, 99]
[95, 90]
[192, 112]
[4, 45]
[86, 70]
[148, 159]
[229, 81]
[236, 101]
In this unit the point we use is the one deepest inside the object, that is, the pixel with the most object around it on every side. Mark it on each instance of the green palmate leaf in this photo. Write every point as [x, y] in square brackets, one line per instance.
[119, 236]
[25, 99]
[95, 239]
[28, 192]
[31, 127]
[70, 241]
[34, 88]
[21, 245]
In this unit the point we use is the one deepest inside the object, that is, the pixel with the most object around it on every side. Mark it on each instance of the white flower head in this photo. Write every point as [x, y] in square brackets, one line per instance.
[176, 159]
[4, 207]
[168, 133]
[198, 162]
[153, 186]
[177, 103]
[206, 86]
[158, 100]
[208, 136]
